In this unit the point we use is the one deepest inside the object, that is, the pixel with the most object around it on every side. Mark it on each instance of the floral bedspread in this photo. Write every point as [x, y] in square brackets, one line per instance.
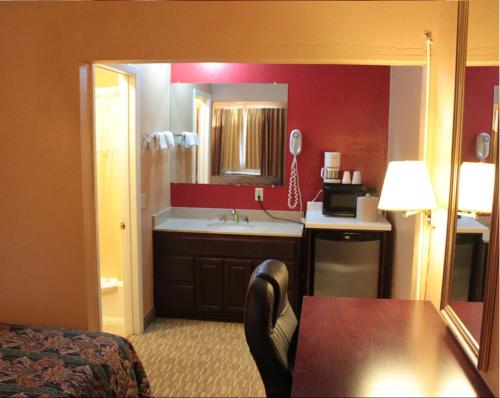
[44, 362]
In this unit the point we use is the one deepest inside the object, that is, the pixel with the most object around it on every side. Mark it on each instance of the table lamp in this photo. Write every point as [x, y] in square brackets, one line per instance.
[475, 189]
[407, 187]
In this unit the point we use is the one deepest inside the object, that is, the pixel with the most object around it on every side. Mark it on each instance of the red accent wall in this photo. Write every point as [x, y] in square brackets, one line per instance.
[337, 107]
[478, 106]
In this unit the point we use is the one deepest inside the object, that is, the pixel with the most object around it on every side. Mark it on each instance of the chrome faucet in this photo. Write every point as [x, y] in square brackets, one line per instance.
[235, 215]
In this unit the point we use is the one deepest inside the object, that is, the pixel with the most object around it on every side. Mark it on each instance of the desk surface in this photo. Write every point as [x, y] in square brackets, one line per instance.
[377, 347]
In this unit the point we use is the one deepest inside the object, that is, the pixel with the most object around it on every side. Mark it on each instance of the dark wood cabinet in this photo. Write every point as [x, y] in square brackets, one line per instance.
[177, 274]
[237, 273]
[209, 284]
[205, 276]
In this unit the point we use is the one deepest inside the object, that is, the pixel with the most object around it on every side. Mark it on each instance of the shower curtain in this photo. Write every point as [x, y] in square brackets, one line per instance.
[109, 170]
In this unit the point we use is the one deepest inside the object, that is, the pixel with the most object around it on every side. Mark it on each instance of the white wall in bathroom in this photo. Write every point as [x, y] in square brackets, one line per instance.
[156, 166]
[406, 126]
[182, 120]
[182, 105]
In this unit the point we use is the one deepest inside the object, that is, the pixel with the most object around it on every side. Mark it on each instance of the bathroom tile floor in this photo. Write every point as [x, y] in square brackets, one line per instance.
[198, 358]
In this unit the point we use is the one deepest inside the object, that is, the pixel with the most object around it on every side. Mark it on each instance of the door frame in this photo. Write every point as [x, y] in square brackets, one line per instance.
[132, 270]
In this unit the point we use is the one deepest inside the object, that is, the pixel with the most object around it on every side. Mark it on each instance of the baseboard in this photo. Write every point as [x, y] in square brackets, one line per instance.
[200, 315]
[149, 318]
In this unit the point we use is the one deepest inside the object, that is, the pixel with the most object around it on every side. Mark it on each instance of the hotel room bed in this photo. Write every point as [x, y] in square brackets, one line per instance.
[61, 362]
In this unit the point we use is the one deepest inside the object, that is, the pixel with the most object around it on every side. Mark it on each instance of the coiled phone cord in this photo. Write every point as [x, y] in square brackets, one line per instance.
[294, 194]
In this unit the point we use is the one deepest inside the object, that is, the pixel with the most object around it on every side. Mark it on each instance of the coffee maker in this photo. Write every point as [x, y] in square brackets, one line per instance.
[331, 170]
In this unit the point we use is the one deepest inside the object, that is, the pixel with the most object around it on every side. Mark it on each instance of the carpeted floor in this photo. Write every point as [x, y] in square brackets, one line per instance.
[189, 358]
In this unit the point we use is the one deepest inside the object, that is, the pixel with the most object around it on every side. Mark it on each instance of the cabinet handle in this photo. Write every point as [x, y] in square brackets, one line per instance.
[122, 225]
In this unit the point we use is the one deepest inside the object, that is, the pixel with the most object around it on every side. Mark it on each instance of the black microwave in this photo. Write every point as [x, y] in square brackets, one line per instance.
[340, 200]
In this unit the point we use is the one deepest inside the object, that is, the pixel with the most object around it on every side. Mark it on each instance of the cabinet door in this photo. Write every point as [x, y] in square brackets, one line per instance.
[174, 269]
[209, 284]
[174, 280]
[237, 275]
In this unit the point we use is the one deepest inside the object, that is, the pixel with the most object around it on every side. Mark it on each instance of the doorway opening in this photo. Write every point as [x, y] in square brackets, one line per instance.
[115, 193]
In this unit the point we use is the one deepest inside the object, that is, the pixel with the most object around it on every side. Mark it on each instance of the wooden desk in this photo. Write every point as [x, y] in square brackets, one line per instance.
[376, 347]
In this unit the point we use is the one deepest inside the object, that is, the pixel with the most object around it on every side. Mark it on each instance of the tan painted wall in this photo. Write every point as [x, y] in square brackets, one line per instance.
[156, 165]
[482, 40]
[47, 248]
[406, 128]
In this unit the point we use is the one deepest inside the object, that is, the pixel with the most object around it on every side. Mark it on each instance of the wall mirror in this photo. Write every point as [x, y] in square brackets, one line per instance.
[471, 270]
[241, 130]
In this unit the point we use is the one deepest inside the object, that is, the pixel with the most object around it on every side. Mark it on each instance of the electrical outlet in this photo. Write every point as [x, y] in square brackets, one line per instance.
[259, 194]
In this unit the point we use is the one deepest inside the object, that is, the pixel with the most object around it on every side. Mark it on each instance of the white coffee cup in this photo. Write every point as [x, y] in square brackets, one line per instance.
[346, 177]
[356, 177]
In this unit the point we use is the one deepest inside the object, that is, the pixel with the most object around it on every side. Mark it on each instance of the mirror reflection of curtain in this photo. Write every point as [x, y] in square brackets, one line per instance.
[255, 119]
[273, 141]
[227, 127]
[216, 140]
[262, 137]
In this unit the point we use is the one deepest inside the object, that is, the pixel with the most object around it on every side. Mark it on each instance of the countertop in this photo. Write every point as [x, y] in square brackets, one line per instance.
[215, 226]
[467, 225]
[316, 220]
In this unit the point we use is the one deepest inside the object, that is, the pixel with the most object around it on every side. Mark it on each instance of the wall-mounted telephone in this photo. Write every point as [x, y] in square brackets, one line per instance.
[295, 142]
[483, 142]
[294, 194]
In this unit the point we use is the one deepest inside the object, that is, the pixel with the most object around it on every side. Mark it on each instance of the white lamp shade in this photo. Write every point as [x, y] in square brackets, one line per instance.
[475, 188]
[407, 187]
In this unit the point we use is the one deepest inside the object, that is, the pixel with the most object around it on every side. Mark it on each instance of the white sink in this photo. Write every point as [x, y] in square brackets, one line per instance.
[232, 226]
[216, 226]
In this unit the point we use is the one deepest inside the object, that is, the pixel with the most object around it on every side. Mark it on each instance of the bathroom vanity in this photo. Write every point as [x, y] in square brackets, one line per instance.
[202, 266]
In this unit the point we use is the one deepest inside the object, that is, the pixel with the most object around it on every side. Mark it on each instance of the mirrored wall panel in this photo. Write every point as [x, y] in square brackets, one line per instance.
[475, 196]
[239, 132]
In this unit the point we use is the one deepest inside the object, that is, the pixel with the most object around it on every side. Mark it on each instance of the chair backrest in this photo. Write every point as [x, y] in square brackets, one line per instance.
[271, 327]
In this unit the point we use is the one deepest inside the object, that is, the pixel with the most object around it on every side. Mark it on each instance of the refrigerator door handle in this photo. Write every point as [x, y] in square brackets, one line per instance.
[343, 236]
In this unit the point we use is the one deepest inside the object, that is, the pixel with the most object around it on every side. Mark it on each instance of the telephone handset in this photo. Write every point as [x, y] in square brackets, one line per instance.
[483, 142]
[295, 142]
[294, 194]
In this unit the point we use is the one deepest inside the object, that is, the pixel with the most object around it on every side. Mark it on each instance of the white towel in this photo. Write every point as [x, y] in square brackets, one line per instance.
[163, 141]
[169, 136]
[189, 139]
[157, 140]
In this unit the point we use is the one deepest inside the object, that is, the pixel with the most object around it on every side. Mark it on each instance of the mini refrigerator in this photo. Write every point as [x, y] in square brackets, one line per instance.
[347, 263]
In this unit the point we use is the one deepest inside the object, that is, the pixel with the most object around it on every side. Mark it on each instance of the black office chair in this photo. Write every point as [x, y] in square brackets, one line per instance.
[271, 327]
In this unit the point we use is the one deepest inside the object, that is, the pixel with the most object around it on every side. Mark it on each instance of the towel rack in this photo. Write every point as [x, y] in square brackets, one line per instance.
[148, 140]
